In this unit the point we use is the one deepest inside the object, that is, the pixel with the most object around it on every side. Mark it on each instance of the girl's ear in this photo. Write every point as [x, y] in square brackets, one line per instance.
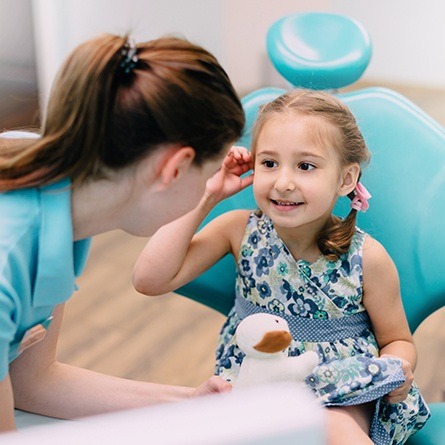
[172, 165]
[349, 179]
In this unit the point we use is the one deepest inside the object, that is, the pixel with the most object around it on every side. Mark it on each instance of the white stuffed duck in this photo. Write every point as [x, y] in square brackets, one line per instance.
[265, 339]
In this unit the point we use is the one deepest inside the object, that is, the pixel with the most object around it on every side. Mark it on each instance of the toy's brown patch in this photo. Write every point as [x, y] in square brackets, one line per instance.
[274, 341]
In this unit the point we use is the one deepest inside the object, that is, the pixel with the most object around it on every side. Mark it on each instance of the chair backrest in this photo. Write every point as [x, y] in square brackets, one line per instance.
[406, 178]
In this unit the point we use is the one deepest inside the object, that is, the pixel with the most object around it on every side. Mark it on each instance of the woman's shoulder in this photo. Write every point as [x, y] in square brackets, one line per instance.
[18, 204]
[22, 210]
[19, 214]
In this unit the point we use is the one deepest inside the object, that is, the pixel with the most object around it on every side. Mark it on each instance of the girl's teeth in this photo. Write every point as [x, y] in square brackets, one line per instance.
[286, 203]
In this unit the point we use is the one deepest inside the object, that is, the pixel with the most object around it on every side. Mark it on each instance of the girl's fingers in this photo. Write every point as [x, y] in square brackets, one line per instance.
[246, 181]
[240, 153]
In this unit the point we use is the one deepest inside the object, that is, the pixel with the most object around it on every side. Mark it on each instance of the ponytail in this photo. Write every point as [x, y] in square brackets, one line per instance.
[105, 113]
[75, 122]
[335, 239]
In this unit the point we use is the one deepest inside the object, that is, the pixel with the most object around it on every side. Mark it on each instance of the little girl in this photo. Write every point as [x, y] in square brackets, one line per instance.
[335, 285]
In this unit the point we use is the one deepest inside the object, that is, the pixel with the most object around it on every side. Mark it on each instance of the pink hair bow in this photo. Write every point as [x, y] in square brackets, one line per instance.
[360, 200]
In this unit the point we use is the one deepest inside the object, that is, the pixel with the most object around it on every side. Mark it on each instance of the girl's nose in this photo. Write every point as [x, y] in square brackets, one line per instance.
[285, 183]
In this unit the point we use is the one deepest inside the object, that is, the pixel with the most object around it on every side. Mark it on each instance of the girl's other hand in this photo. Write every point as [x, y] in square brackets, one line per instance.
[399, 394]
[227, 180]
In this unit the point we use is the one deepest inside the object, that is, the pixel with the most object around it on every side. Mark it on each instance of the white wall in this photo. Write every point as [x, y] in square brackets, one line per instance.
[408, 36]
[408, 39]
[244, 41]
[62, 24]
[234, 30]
[16, 41]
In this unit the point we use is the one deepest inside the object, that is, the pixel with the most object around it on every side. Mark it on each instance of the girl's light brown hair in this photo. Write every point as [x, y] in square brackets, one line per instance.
[335, 239]
[100, 118]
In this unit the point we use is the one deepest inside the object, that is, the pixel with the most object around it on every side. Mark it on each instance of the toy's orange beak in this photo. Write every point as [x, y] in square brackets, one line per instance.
[274, 341]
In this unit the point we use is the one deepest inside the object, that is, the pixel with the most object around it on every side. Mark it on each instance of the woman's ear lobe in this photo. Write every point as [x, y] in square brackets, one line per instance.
[349, 179]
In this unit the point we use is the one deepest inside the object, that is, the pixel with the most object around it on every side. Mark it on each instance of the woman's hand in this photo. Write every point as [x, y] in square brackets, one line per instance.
[399, 394]
[227, 180]
[213, 385]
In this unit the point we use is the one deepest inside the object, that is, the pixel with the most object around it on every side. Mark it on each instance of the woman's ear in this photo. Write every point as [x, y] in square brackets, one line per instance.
[349, 179]
[172, 165]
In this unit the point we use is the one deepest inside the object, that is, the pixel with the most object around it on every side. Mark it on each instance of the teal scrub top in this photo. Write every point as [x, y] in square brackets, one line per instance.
[39, 261]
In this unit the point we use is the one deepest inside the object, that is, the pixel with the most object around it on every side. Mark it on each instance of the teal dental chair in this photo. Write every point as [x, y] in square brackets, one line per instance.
[406, 176]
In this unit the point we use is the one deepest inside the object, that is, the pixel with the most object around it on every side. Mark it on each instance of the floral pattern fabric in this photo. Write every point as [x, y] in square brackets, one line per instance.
[350, 370]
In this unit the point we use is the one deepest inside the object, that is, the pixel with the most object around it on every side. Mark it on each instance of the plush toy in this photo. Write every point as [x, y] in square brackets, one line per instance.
[265, 339]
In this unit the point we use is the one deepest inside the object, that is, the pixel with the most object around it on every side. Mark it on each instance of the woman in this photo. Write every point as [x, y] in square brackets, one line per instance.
[131, 135]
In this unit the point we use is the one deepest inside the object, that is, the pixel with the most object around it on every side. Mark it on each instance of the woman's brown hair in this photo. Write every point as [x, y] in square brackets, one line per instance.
[335, 238]
[101, 117]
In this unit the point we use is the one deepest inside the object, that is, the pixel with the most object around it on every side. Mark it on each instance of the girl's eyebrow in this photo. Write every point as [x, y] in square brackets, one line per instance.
[267, 153]
[304, 154]
[309, 154]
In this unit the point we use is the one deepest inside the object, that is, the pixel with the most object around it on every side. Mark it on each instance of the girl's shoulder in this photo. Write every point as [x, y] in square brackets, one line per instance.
[238, 217]
[374, 254]
[365, 240]
[358, 241]
[231, 225]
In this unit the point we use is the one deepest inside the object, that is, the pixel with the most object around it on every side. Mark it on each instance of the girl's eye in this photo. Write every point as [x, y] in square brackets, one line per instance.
[306, 166]
[269, 164]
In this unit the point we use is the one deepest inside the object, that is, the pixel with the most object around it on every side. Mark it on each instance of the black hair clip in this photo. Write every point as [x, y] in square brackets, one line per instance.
[129, 57]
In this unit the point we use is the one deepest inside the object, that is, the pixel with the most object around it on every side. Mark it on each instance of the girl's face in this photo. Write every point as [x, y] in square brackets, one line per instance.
[298, 176]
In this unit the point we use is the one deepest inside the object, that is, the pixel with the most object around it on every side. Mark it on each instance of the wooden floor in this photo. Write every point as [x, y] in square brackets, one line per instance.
[110, 328]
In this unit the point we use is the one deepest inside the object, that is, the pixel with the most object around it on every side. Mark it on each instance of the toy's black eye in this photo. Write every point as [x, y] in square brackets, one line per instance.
[276, 321]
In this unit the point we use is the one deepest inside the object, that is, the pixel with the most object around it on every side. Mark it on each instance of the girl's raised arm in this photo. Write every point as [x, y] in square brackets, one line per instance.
[174, 255]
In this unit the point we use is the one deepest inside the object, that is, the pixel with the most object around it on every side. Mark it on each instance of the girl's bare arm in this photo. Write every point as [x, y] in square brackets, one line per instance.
[383, 302]
[174, 255]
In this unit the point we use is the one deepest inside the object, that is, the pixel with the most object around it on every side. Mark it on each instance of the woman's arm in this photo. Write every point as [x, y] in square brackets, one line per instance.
[43, 385]
[6, 405]
[174, 255]
[383, 302]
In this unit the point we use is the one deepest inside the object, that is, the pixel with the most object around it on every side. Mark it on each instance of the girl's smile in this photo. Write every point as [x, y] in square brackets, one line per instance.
[286, 206]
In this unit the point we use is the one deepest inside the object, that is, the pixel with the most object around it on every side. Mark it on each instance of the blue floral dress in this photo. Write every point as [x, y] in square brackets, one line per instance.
[322, 302]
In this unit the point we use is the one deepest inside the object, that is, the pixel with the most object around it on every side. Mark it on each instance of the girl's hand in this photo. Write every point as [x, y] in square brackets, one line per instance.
[399, 394]
[227, 180]
[213, 385]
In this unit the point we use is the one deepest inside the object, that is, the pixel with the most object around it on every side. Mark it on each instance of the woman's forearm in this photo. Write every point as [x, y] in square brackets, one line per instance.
[45, 386]
[6, 405]
[68, 392]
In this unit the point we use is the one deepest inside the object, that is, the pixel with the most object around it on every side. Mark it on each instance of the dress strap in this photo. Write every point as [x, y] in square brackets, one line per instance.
[309, 329]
